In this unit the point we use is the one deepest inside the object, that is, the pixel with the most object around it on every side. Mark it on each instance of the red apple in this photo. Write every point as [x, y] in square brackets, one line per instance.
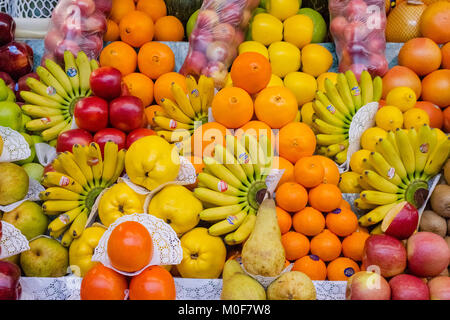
[53, 39]
[126, 113]
[428, 254]
[21, 85]
[68, 139]
[231, 13]
[365, 285]
[65, 45]
[7, 28]
[94, 24]
[106, 83]
[355, 32]
[337, 26]
[8, 80]
[110, 134]
[104, 6]
[401, 221]
[408, 287]
[92, 45]
[356, 10]
[378, 65]
[91, 114]
[137, 134]
[10, 288]
[16, 59]
[87, 7]
[200, 39]
[49, 168]
[195, 62]
[224, 32]
[206, 19]
[439, 288]
[385, 252]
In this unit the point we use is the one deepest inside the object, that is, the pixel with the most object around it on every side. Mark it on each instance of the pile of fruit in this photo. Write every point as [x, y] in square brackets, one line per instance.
[269, 192]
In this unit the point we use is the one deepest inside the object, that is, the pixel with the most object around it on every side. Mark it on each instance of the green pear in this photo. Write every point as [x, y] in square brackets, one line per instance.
[263, 253]
[25, 120]
[13, 259]
[46, 258]
[34, 170]
[10, 115]
[242, 287]
[293, 285]
[11, 95]
[3, 90]
[28, 218]
[14, 183]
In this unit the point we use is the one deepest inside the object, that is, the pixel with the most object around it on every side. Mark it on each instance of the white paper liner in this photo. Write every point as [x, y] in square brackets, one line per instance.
[15, 147]
[166, 245]
[12, 241]
[362, 120]
[34, 188]
[45, 153]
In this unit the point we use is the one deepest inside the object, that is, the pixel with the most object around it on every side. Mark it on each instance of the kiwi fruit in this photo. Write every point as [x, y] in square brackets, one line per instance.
[432, 222]
[440, 200]
[447, 171]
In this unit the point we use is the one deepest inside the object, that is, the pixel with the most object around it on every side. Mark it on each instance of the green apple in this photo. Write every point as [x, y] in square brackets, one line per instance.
[11, 95]
[34, 170]
[46, 258]
[37, 139]
[28, 218]
[25, 120]
[320, 26]
[3, 90]
[14, 183]
[10, 115]
[191, 23]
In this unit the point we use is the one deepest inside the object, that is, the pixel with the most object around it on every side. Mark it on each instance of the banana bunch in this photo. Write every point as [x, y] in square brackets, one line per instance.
[80, 176]
[182, 116]
[51, 101]
[400, 168]
[335, 109]
[233, 184]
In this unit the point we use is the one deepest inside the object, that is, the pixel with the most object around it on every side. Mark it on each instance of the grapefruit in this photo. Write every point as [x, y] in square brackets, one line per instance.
[416, 51]
[436, 87]
[400, 76]
[435, 22]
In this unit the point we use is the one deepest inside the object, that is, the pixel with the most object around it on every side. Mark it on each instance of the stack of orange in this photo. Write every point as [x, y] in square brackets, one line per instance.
[320, 232]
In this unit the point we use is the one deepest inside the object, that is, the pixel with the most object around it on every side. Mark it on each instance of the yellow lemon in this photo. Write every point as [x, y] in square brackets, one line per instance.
[349, 183]
[359, 161]
[403, 98]
[282, 9]
[267, 29]
[275, 81]
[371, 136]
[307, 112]
[303, 86]
[321, 80]
[389, 118]
[253, 46]
[298, 30]
[316, 59]
[415, 118]
[284, 58]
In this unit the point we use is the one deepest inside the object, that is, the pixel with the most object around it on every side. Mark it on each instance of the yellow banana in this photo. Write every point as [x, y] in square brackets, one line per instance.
[222, 155]
[341, 157]
[96, 162]
[231, 223]
[391, 138]
[406, 152]
[59, 233]
[376, 215]
[355, 90]
[62, 180]
[377, 88]
[326, 116]
[383, 168]
[53, 132]
[378, 197]
[84, 68]
[44, 123]
[362, 205]
[174, 112]
[216, 184]
[326, 128]
[377, 230]
[194, 94]
[379, 183]
[174, 136]
[243, 232]
[219, 213]
[51, 81]
[206, 88]
[330, 107]
[37, 111]
[41, 89]
[65, 219]
[78, 225]
[437, 159]
[329, 139]
[182, 100]
[58, 193]
[345, 93]
[60, 75]
[388, 151]
[220, 171]
[334, 149]
[257, 157]
[94, 64]
[67, 238]
[235, 147]
[110, 162]
[60, 205]
[120, 165]
[335, 98]
[366, 85]
[423, 147]
[81, 159]
[72, 168]
[215, 198]
[171, 124]
[72, 71]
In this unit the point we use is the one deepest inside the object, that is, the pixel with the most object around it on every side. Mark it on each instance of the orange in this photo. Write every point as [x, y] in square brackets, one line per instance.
[416, 51]
[112, 31]
[345, 205]
[283, 164]
[136, 28]
[342, 222]
[291, 197]
[284, 220]
[326, 245]
[353, 245]
[436, 87]
[332, 175]
[312, 266]
[296, 140]
[399, 76]
[154, 283]
[295, 245]
[341, 269]
[120, 8]
[130, 246]
[309, 221]
[206, 136]
[162, 88]
[154, 8]
[119, 55]
[309, 172]
[257, 129]
[150, 113]
[140, 86]
[156, 59]
[276, 106]
[232, 107]
[169, 28]
[445, 50]
[434, 113]
[102, 283]
[435, 22]
[251, 71]
[447, 119]
[325, 197]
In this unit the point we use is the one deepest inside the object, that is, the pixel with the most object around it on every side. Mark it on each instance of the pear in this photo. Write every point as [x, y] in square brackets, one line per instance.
[263, 254]
[231, 268]
[239, 286]
[13, 183]
[293, 285]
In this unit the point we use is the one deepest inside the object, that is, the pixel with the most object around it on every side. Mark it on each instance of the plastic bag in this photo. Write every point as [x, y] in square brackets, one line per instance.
[214, 42]
[358, 30]
[77, 25]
